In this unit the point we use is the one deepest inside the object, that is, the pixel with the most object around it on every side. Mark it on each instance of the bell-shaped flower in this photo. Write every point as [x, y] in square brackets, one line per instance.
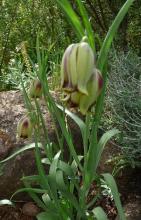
[24, 128]
[94, 87]
[77, 67]
[35, 90]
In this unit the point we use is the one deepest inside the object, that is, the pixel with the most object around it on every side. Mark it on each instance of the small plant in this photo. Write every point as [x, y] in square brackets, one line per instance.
[62, 192]
[124, 104]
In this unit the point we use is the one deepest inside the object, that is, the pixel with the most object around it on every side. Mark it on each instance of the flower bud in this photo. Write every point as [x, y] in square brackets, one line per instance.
[76, 68]
[24, 128]
[94, 88]
[35, 90]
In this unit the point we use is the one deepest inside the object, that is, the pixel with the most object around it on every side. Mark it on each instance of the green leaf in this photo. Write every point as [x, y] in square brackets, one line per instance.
[66, 168]
[111, 34]
[99, 213]
[21, 150]
[64, 188]
[46, 161]
[75, 118]
[48, 216]
[87, 24]
[52, 175]
[35, 190]
[102, 142]
[33, 178]
[46, 199]
[34, 196]
[112, 184]
[63, 127]
[96, 151]
[72, 17]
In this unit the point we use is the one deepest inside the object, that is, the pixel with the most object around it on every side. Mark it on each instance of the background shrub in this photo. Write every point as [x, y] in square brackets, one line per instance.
[123, 103]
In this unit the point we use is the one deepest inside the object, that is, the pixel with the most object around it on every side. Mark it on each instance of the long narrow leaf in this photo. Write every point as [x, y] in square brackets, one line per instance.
[87, 24]
[102, 142]
[72, 17]
[99, 213]
[75, 118]
[112, 184]
[111, 34]
[21, 150]
[48, 216]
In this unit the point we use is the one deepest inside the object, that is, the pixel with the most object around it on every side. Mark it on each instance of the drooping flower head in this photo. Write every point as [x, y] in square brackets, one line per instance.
[77, 66]
[35, 90]
[24, 128]
[80, 79]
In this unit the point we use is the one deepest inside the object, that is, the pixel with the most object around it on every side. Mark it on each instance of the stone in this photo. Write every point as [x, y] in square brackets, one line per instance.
[12, 108]
[132, 209]
[30, 209]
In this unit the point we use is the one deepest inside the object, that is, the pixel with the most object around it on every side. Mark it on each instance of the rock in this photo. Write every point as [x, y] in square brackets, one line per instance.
[30, 209]
[11, 110]
[132, 209]
[13, 171]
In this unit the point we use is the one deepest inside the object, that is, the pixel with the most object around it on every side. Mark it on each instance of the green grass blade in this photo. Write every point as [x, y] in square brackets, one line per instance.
[111, 34]
[72, 17]
[112, 184]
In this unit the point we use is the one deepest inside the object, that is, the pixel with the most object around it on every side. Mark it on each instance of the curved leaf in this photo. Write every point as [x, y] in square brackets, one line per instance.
[88, 27]
[111, 34]
[48, 216]
[99, 213]
[112, 184]
[72, 17]
[102, 142]
[21, 150]
[75, 118]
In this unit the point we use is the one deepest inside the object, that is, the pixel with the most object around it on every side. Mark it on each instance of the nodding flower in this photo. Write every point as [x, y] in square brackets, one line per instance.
[24, 128]
[94, 87]
[35, 90]
[77, 66]
[80, 80]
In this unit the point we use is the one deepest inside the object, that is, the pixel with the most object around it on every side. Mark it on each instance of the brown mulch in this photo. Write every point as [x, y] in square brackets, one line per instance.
[11, 213]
